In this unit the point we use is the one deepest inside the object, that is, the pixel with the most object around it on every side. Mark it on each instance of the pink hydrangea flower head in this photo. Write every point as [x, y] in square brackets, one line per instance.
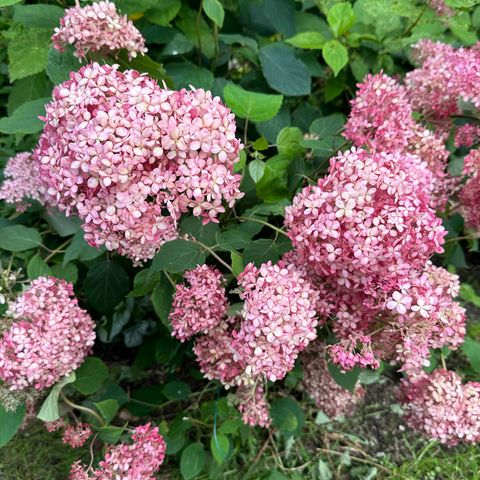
[253, 406]
[355, 350]
[201, 306]
[98, 28]
[470, 191]
[49, 338]
[279, 319]
[139, 460]
[441, 8]
[22, 182]
[368, 222]
[130, 157]
[77, 435]
[329, 397]
[467, 135]
[441, 407]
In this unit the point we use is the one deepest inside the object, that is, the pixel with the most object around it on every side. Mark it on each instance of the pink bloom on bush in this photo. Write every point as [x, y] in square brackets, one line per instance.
[130, 157]
[199, 306]
[98, 28]
[22, 182]
[467, 135]
[49, 338]
[470, 192]
[77, 435]
[139, 460]
[253, 406]
[440, 406]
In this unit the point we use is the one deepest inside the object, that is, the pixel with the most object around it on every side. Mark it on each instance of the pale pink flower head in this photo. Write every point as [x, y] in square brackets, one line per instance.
[467, 135]
[253, 405]
[279, 319]
[388, 229]
[440, 406]
[98, 28]
[130, 157]
[22, 182]
[469, 194]
[139, 460]
[49, 338]
[319, 384]
[199, 306]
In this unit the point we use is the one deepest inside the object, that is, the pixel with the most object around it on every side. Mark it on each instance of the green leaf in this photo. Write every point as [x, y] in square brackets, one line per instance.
[232, 38]
[288, 142]
[106, 284]
[10, 422]
[214, 11]
[340, 18]
[28, 52]
[63, 225]
[471, 348]
[287, 416]
[60, 64]
[237, 263]
[17, 238]
[324, 472]
[90, 376]
[49, 411]
[192, 461]
[176, 390]
[177, 256]
[204, 233]
[335, 55]
[257, 107]
[233, 240]
[164, 13]
[273, 185]
[347, 380]
[80, 250]
[110, 434]
[108, 409]
[468, 293]
[461, 3]
[184, 74]
[68, 272]
[144, 64]
[27, 89]
[283, 71]
[162, 299]
[231, 425]
[256, 169]
[25, 118]
[144, 282]
[196, 30]
[220, 447]
[261, 251]
[307, 40]
[328, 126]
[37, 267]
[43, 16]
[7, 3]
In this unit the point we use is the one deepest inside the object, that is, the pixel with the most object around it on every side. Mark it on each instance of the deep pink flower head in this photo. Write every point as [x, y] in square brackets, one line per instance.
[22, 182]
[77, 435]
[441, 407]
[441, 8]
[49, 338]
[253, 405]
[470, 192]
[279, 319]
[368, 222]
[98, 28]
[467, 135]
[200, 306]
[329, 397]
[130, 157]
[138, 461]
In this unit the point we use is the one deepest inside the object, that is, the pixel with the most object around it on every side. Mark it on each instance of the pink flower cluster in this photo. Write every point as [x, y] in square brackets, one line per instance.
[201, 306]
[22, 182]
[368, 222]
[382, 120]
[75, 436]
[98, 28]
[329, 397]
[277, 322]
[130, 157]
[470, 191]
[136, 461]
[50, 336]
[441, 407]
[441, 8]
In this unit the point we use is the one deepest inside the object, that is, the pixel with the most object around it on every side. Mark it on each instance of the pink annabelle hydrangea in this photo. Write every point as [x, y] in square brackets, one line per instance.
[368, 222]
[22, 182]
[77, 435]
[353, 351]
[200, 306]
[467, 135]
[130, 157]
[279, 319]
[253, 406]
[441, 8]
[441, 407]
[470, 192]
[98, 28]
[137, 461]
[50, 337]
[382, 119]
[329, 397]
